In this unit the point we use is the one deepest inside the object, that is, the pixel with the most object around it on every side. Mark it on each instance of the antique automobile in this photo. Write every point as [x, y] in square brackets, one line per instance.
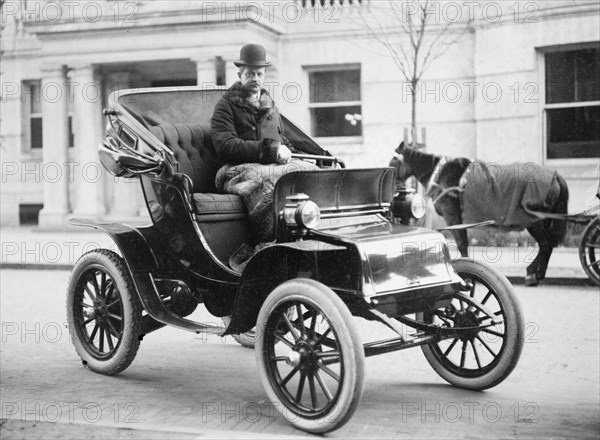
[345, 248]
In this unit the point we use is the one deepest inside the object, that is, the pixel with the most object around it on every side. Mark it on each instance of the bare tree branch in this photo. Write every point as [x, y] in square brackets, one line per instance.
[413, 43]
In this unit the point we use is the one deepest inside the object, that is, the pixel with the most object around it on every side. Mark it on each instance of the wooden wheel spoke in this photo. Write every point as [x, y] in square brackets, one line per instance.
[103, 284]
[109, 340]
[115, 302]
[313, 392]
[300, 388]
[486, 297]
[476, 354]
[486, 345]
[450, 347]
[300, 320]
[289, 376]
[594, 263]
[117, 317]
[101, 339]
[323, 386]
[277, 358]
[322, 337]
[328, 354]
[329, 371]
[109, 291]
[87, 321]
[290, 327]
[95, 329]
[113, 329]
[463, 354]
[313, 321]
[492, 332]
[95, 285]
[282, 339]
[89, 292]
[83, 304]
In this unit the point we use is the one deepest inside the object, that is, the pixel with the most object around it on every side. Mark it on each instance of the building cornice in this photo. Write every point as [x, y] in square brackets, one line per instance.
[231, 13]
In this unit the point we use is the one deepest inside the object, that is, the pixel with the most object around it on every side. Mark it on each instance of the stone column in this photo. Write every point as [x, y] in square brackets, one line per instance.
[206, 72]
[127, 194]
[55, 151]
[87, 118]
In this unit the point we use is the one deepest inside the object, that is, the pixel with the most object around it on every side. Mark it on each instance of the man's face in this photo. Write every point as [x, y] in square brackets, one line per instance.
[253, 78]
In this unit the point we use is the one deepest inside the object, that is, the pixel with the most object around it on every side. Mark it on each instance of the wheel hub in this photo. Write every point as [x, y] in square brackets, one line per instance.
[466, 318]
[293, 358]
[100, 310]
[303, 356]
[89, 313]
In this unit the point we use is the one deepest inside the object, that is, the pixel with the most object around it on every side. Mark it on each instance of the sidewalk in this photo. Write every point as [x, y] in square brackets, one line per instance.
[37, 429]
[28, 248]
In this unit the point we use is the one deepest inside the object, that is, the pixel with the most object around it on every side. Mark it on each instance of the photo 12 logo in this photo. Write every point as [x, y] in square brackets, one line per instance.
[70, 412]
[469, 11]
[55, 12]
[471, 412]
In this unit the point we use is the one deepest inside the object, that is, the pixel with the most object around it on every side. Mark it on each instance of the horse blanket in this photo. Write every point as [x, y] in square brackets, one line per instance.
[507, 193]
[255, 183]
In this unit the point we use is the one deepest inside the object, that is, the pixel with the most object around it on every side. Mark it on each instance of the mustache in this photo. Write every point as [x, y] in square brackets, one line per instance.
[251, 85]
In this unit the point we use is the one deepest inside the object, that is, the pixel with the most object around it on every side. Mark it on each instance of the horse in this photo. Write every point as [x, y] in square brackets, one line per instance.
[516, 196]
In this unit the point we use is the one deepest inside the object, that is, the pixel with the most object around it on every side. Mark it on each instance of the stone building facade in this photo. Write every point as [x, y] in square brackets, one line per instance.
[521, 83]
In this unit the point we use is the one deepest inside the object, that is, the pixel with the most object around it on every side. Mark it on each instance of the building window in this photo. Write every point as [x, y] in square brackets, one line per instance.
[29, 214]
[334, 102]
[32, 106]
[573, 103]
[221, 72]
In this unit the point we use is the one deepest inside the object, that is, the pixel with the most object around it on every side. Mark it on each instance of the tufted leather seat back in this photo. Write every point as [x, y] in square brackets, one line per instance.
[194, 151]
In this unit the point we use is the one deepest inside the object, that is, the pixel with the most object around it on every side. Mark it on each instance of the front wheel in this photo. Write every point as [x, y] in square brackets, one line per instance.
[484, 356]
[309, 355]
[103, 312]
[589, 251]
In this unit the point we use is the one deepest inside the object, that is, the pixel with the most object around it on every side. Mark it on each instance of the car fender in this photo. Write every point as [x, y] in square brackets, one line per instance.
[132, 243]
[272, 266]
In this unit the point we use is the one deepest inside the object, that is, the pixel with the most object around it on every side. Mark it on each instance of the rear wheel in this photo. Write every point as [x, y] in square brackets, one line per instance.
[484, 356]
[246, 339]
[103, 312]
[589, 251]
[309, 355]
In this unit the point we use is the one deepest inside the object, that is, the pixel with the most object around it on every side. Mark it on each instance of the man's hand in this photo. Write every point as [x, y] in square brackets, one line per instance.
[284, 155]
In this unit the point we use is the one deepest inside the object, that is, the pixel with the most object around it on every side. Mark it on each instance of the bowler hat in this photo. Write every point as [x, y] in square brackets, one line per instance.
[252, 55]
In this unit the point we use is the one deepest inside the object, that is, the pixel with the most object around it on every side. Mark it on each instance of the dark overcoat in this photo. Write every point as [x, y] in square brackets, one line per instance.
[244, 133]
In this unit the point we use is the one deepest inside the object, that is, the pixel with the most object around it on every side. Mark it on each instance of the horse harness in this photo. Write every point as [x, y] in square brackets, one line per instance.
[434, 179]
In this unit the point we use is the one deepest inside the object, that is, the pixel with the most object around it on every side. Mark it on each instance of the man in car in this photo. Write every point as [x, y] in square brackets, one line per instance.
[248, 136]
[246, 126]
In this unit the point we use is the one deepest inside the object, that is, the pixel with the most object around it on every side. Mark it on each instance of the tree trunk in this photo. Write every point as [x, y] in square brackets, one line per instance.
[413, 120]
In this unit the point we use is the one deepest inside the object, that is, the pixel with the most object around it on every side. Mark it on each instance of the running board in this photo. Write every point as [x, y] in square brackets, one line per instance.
[154, 306]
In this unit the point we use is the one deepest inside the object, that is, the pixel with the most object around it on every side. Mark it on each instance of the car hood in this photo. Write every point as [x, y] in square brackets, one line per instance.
[395, 257]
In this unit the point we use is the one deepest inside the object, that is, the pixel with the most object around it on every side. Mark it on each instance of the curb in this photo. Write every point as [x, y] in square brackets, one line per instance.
[36, 266]
[517, 280]
[552, 281]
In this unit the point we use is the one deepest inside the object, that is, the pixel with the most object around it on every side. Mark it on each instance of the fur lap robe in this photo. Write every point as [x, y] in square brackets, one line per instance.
[255, 183]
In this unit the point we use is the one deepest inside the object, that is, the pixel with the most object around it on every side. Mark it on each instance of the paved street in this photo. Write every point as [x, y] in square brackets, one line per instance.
[183, 385]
